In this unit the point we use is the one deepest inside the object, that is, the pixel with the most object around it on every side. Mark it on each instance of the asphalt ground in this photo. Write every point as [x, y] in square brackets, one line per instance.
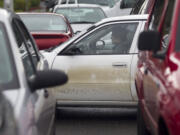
[95, 121]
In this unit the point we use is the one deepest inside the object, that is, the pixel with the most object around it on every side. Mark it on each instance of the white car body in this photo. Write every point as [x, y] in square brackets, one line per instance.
[98, 79]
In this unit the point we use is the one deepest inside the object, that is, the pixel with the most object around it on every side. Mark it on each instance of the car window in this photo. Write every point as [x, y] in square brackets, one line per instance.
[167, 24]
[44, 22]
[111, 39]
[156, 15]
[82, 15]
[26, 51]
[8, 77]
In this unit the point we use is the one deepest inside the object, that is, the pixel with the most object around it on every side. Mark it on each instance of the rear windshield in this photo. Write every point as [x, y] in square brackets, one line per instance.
[35, 22]
[8, 78]
[82, 15]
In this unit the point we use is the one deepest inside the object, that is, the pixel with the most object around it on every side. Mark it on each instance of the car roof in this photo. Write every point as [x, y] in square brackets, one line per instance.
[123, 18]
[77, 5]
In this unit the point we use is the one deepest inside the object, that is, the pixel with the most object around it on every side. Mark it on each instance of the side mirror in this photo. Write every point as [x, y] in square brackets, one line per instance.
[100, 44]
[149, 41]
[122, 5]
[47, 78]
[72, 51]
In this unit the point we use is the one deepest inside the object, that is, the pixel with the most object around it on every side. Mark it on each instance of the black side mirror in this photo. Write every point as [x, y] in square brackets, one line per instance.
[47, 78]
[72, 51]
[122, 5]
[149, 41]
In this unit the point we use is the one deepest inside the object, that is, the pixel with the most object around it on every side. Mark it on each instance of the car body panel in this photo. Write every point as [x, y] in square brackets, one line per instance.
[47, 40]
[93, 75]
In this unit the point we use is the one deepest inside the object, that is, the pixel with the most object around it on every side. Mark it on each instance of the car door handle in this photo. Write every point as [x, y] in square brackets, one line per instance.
[46, 94]
[119, 65]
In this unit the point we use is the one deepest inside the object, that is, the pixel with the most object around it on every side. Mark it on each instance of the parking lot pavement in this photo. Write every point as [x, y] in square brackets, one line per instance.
[96, 122]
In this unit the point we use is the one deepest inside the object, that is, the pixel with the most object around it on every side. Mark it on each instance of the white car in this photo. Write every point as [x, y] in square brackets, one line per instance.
[24, 76]
[111, 7]
[80, 16]
[98, 75]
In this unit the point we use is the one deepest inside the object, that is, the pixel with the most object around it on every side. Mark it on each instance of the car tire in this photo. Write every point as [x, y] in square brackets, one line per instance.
[141, 127]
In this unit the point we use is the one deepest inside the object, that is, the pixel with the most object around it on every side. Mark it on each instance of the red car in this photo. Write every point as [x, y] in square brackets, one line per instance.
[158, 73]
[48, 29]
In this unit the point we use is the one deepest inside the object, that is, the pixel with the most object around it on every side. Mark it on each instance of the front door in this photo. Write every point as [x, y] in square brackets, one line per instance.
[98, 66]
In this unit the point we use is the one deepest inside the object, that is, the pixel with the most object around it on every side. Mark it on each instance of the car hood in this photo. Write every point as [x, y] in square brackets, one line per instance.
[12, 96]
[80, 27]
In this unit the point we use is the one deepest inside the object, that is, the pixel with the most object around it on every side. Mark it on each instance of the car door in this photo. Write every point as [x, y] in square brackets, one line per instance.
[155, 74]
[96, 73]
[42, 101]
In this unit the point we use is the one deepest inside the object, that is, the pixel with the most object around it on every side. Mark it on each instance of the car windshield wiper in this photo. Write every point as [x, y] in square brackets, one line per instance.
[81, 22]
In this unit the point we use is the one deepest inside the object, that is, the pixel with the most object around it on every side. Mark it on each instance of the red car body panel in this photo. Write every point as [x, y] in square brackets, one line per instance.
[47, 40]
[159, 91]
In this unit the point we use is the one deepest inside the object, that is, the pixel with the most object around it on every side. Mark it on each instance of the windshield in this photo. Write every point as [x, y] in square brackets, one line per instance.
[46, 22]
[7, 73]
[82, 15]
[109, 3]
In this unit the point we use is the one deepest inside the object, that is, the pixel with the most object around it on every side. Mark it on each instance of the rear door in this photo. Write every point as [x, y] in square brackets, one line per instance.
[97, 72]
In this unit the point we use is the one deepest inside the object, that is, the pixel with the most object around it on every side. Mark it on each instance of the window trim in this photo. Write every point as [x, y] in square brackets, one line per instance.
[31, 38]
[31, 59]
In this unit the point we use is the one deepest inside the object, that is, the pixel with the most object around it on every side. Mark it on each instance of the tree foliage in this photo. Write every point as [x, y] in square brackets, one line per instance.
[22, 5]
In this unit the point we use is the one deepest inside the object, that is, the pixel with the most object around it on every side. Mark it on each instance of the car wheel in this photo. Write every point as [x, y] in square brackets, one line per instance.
[141, 127]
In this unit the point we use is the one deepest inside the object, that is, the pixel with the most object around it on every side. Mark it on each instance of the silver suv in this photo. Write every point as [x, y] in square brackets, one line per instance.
[23, 75]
